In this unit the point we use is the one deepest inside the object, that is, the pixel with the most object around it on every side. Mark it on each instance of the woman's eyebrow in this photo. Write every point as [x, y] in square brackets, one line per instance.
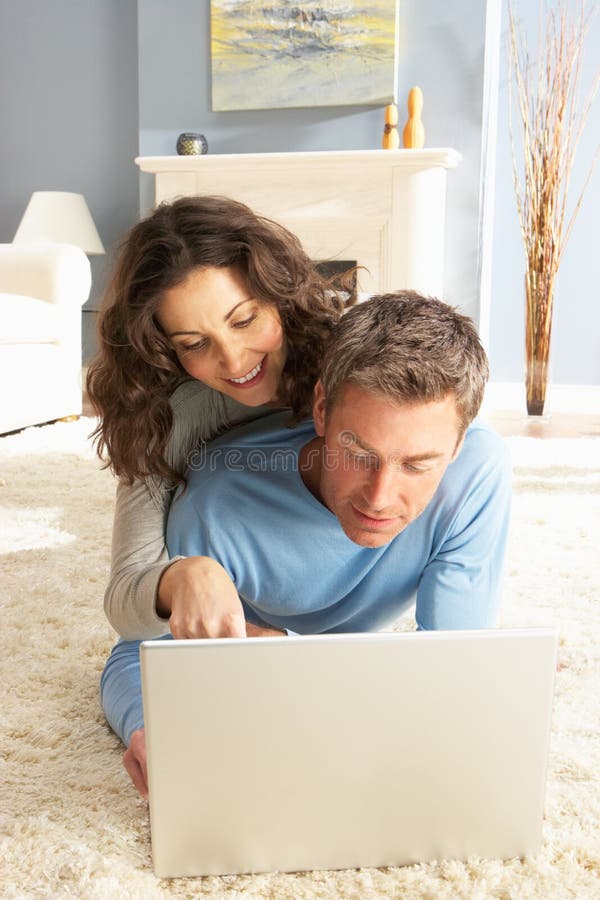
[231, 311]
[176, 333]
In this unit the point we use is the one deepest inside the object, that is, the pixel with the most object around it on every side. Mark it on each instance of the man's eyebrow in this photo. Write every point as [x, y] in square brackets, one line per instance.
[416, 457]
[362, 444]
[421, 457]
[226, 319]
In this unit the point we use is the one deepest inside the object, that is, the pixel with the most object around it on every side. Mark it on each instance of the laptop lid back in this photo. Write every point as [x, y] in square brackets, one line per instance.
[338, 751]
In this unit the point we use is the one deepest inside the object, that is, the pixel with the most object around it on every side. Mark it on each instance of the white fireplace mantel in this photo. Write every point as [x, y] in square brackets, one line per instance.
[383, 208]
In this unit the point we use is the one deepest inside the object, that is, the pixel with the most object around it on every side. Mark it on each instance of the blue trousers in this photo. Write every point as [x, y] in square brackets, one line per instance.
[121, 689]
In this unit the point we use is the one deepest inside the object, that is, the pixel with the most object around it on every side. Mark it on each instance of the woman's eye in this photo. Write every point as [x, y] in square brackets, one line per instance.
[190, 348]
[243, 323]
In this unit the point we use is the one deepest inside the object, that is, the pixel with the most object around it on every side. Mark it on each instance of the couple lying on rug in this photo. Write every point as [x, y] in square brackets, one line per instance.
[388, 496]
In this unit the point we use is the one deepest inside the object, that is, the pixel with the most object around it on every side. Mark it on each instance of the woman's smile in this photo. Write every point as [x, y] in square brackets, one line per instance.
[250, 378]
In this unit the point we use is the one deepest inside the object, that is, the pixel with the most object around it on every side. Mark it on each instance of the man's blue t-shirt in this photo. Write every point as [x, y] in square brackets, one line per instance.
[246, 506]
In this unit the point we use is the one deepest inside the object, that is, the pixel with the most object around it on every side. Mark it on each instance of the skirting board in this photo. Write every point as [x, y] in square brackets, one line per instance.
[560, 398]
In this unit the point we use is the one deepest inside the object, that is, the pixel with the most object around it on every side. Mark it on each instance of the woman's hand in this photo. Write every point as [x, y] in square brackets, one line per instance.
[200, 600]
[134, 760]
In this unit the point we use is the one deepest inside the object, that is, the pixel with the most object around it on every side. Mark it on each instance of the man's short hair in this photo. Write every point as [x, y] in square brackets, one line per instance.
[408, 348]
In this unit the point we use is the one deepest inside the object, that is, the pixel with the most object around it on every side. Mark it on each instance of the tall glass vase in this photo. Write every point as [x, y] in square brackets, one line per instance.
[538, 330]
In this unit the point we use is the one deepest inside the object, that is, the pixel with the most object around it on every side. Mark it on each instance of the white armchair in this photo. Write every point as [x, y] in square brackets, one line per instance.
[42, 290]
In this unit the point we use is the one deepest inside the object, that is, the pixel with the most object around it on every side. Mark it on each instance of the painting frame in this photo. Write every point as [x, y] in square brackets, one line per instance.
[284, 54]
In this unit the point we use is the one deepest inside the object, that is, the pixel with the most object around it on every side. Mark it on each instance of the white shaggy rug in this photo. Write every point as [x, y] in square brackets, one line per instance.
[71, 824]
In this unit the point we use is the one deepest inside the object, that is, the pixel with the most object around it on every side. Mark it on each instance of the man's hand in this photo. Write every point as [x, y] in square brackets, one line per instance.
[200, 600]
[134, 760]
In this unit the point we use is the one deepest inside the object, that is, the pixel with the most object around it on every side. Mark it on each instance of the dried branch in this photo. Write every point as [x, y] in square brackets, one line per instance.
[551, 123]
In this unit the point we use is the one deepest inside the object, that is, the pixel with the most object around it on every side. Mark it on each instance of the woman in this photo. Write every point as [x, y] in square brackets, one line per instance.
[215, 316]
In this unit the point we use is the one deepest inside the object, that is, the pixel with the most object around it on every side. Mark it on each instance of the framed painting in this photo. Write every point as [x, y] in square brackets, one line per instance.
[286, 53]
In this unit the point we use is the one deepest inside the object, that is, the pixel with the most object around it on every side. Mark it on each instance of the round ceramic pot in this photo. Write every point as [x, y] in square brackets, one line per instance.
[191, 143]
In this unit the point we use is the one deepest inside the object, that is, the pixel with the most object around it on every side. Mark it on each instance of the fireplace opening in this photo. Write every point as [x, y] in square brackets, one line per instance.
[330, 267]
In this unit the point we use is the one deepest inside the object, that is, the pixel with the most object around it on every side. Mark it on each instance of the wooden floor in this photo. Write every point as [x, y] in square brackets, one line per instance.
[558, 425]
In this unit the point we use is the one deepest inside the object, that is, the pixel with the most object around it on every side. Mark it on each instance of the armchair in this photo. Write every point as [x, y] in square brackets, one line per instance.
[42, 289]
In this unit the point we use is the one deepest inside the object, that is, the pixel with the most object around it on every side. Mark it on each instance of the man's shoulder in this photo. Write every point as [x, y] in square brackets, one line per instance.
[483, 457]
[480, 478]
[272, 431]
[263, 445]
[481, 441]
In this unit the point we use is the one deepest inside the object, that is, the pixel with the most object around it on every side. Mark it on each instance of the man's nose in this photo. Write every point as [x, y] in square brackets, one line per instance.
[382, 487]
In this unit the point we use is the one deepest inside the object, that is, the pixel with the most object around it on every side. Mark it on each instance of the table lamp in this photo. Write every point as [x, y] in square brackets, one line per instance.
[60, 217]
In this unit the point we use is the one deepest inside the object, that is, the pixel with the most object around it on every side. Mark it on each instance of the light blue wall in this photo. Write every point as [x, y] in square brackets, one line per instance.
[68, 114]
[72, 120]
[575, 348]
[442, 51]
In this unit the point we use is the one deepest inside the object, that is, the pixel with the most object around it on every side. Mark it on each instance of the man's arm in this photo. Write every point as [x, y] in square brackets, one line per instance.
[461, 586]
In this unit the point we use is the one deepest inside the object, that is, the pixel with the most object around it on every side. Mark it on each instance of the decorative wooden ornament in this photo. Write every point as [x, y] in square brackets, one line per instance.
[391, 138]
[414, 133]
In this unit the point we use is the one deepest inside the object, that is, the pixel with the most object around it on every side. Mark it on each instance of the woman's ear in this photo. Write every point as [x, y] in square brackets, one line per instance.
[319, 404]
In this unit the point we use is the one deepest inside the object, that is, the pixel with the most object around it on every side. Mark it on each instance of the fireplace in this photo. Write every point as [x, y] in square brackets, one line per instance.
[382, 209]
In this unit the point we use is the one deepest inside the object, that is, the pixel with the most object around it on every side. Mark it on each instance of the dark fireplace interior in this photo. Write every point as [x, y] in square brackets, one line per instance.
[330, 267]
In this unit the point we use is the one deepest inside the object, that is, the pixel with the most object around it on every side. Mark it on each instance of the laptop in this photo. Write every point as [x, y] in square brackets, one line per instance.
[346, 751]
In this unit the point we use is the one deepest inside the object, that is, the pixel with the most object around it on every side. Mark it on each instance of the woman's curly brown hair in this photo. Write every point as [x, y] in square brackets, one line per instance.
[136, 370]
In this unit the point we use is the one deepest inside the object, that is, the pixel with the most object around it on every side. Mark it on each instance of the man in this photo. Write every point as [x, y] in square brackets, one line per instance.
[391, 497]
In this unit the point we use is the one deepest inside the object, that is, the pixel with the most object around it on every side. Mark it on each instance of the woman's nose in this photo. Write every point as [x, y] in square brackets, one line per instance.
[231, 358]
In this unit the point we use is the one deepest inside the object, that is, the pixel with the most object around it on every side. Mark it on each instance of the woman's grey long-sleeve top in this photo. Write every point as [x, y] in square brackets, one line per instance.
[139, 555]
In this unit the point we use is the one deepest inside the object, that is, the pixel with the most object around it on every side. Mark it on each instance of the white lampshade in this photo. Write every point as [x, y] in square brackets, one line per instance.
[59, 217]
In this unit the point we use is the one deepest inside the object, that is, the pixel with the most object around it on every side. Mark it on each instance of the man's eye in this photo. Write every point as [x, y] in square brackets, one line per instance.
[414, 470]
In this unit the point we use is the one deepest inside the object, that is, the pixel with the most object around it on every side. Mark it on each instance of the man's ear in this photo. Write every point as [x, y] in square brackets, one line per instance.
[319, 404]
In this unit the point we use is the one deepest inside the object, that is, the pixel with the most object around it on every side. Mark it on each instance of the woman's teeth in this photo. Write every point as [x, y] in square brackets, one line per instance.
[247, 377]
